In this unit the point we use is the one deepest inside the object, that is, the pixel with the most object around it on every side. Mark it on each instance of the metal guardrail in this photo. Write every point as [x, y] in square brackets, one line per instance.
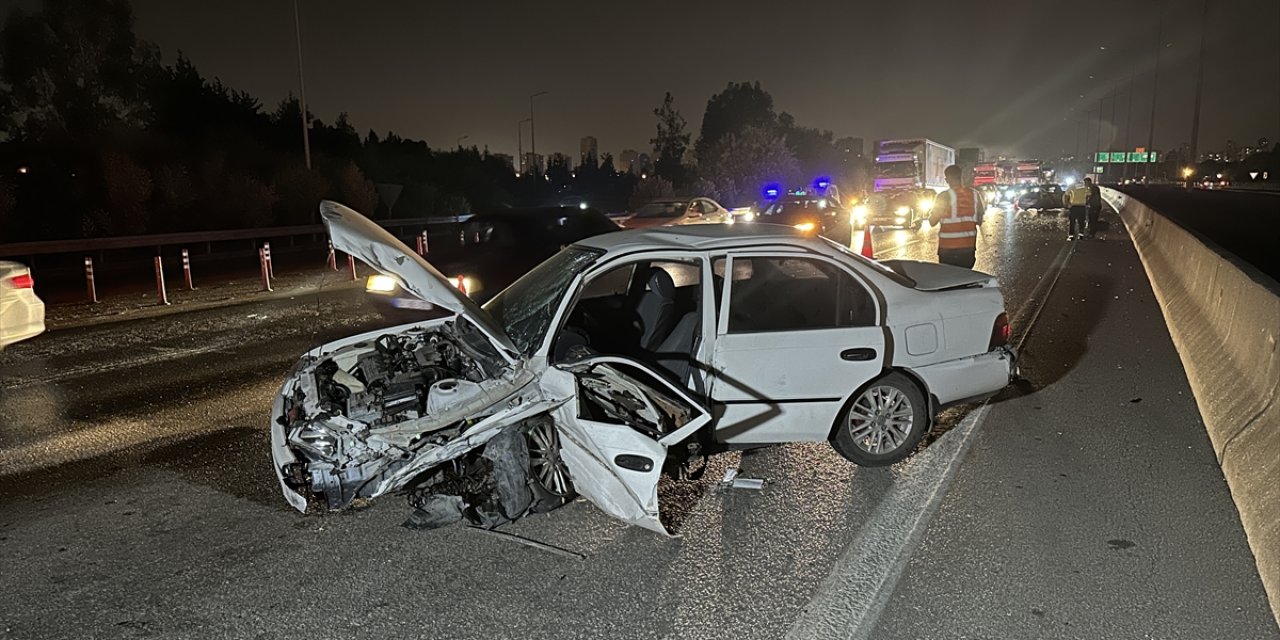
[48, 247]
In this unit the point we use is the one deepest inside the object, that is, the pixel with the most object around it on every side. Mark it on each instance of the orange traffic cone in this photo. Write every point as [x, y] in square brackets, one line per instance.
[867, 251]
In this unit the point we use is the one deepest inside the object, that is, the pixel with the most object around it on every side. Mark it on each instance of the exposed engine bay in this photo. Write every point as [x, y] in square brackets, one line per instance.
[358, 414]
[436, 412]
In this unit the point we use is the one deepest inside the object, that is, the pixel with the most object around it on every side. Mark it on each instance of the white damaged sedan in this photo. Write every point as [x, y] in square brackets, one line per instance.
[624, 356]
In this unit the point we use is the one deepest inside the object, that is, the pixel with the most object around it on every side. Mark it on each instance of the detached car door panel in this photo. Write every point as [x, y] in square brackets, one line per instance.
[615, 435]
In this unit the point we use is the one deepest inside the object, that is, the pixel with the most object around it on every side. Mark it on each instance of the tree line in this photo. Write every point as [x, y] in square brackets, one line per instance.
[100, 137]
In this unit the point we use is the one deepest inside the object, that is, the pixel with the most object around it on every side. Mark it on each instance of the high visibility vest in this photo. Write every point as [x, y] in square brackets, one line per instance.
[959, 229]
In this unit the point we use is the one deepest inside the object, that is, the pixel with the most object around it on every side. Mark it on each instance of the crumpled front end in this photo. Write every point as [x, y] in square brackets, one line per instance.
[365, 417]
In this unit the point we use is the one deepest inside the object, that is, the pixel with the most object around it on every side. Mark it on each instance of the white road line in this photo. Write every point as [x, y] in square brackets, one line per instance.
[849, 601]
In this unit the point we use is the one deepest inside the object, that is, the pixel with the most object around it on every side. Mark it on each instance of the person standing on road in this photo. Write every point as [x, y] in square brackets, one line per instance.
[1094, 206]
[1076, 199]
[959, 210]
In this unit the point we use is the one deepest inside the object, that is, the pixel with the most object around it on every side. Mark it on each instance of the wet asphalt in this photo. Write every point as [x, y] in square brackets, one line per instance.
[137, 498]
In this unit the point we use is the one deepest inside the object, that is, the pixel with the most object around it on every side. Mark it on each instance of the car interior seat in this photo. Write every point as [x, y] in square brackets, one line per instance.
[657, 309]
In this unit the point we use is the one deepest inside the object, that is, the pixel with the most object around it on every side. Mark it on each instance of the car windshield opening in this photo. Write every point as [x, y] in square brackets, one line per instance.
[524, 310]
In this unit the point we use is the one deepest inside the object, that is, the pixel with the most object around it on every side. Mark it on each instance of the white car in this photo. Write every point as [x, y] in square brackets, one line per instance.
[21, 311]
[626, 354]
[668, 211]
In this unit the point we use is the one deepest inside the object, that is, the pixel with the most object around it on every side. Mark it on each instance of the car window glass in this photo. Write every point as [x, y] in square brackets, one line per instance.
[791, 294]
[682, 273]
[610, 283]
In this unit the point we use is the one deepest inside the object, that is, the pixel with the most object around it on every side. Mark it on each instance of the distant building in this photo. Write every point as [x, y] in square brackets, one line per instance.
[505, 158]
[588, 151]
[558, 159]
[533, 163]
[626, 159]
[1231, 153]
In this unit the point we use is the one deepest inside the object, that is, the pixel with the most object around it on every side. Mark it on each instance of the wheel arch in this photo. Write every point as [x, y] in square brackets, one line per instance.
[930, 399]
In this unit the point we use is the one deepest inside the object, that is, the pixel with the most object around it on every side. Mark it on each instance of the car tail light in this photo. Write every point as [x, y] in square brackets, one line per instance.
[1000, 332]
[24, 281]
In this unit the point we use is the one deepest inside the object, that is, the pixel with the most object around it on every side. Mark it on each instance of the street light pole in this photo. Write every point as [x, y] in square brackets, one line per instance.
[533, 141]
[1195, 118]
[520, 144]
[302, 89]
[1155, 83]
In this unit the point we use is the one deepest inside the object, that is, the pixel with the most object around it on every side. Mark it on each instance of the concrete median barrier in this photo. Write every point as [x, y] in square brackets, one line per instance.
[1224, 317]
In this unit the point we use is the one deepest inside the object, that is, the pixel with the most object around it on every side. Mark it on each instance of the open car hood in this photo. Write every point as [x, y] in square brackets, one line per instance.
[355, 234]
[930, 276]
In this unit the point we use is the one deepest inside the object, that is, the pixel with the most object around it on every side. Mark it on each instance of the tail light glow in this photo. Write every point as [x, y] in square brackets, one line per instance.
[1001, 331]
[23, 281]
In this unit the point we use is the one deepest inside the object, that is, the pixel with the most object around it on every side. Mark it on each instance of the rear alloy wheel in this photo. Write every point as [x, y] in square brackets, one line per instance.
[550, 481]
[883, 423]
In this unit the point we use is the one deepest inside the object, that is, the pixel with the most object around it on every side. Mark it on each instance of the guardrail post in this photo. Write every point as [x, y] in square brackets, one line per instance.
[186, 270]
[160, 289]
[333, 258]
[351, 262]
[262, 264]
[88, 278]
[271, 269]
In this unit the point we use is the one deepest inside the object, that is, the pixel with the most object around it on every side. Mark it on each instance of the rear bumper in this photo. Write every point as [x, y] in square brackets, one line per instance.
[21, 318]
[972, 377]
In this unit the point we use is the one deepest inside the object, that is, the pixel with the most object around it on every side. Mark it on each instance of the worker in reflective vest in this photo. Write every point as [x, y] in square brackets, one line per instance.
[959, 212]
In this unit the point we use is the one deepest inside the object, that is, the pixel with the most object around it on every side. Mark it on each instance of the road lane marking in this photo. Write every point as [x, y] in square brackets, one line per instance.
[848, 602]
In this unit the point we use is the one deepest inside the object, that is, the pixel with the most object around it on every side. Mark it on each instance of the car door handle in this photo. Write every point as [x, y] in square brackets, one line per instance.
[858, 355]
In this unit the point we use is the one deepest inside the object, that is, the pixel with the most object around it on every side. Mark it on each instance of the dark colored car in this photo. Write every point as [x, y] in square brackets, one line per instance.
[812, 214]
[1041, 197]
[498, 247]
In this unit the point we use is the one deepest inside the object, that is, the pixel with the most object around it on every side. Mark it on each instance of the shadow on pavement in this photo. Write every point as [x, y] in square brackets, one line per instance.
[234, 461]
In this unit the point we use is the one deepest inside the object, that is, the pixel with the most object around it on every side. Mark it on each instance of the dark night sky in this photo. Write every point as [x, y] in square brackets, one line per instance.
[1007, 76]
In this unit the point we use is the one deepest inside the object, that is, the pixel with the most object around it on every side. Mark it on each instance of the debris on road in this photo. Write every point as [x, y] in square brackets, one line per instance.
[530, 543]
[733, 481]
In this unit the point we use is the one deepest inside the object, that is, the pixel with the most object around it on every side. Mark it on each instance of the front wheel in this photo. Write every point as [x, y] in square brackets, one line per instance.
[549, 477]
[882, 423]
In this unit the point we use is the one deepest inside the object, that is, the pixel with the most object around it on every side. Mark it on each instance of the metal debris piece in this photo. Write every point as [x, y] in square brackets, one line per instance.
[530, 543]
[734, 481]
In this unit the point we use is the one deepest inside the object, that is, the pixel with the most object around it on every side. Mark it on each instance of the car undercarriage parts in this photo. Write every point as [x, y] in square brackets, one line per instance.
[487, 487]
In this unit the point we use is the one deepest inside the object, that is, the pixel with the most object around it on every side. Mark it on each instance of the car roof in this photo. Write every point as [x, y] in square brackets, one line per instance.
[702, 237]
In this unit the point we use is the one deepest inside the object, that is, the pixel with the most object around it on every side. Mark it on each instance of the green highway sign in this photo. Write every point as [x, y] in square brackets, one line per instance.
[1103, 156]
[1099, 169]
[1151, 157]
[1117, 156]
[1137, 156]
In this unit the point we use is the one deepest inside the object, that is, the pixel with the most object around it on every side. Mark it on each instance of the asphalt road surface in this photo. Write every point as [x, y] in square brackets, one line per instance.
[138, 499]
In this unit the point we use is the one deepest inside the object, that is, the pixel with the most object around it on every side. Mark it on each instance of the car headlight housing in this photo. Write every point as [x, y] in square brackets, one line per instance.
[925, 204]
[379, 283]
[902, 211]
[806, 227]
[860, 213]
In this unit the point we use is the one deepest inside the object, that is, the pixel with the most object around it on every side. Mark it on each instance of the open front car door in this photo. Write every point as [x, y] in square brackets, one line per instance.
[615, 434]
